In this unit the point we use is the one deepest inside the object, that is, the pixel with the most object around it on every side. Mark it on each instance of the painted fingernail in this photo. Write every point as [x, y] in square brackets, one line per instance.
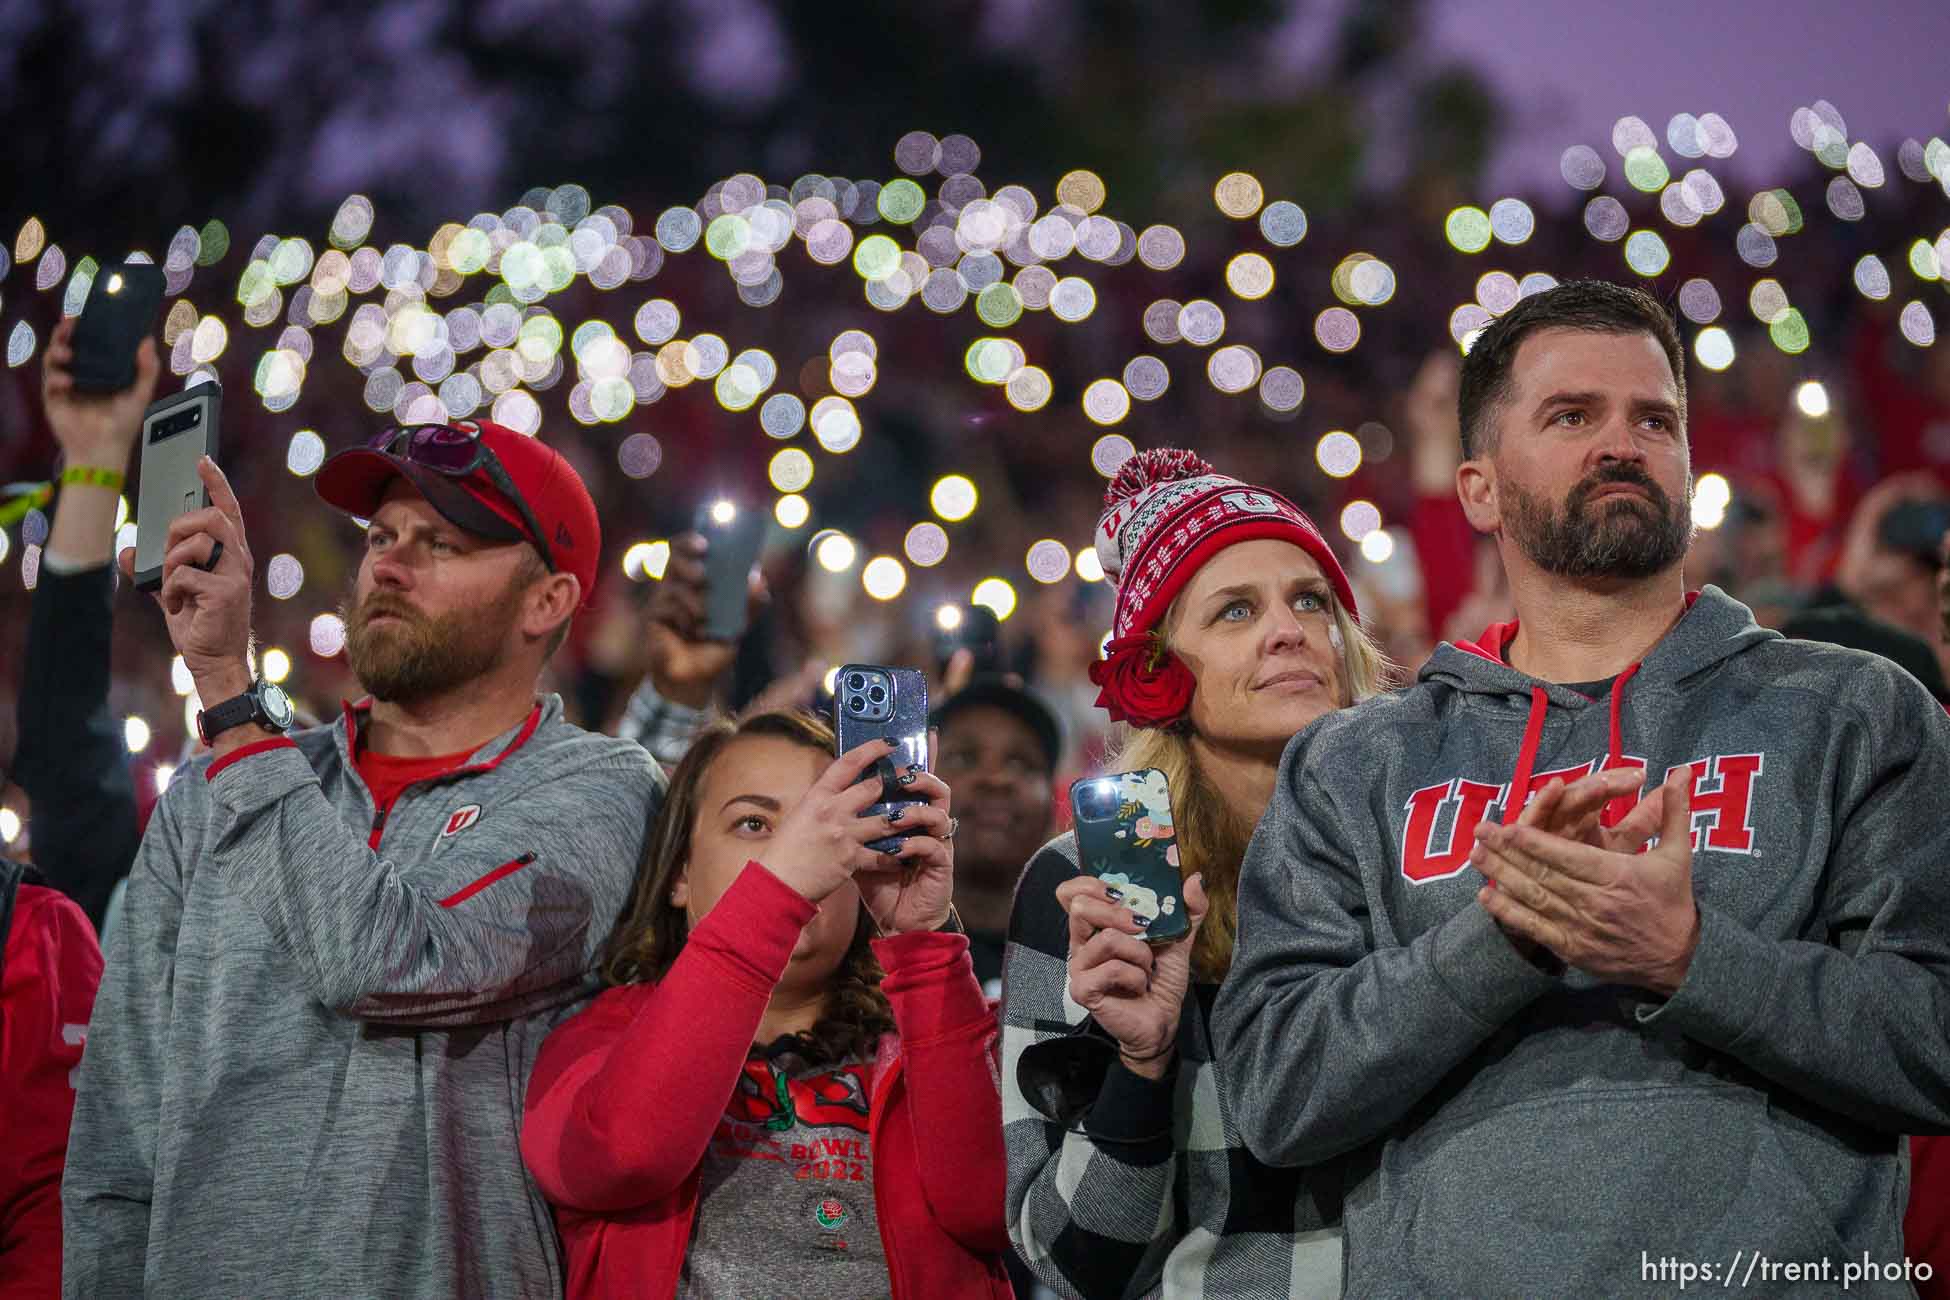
[909, 779]
[890, 742]
[893, 816]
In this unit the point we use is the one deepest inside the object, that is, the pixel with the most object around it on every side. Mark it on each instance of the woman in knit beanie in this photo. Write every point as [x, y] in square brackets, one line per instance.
[1235, 627]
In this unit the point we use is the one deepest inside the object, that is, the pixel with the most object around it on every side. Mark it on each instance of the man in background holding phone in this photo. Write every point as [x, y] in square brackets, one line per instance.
[343, 948]
[998, 751]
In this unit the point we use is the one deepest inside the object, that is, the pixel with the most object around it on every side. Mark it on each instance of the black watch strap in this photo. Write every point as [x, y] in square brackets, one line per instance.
[235, 712]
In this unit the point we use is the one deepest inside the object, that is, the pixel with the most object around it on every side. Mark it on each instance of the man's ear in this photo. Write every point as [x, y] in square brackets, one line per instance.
[1476, 488]
[553, 601]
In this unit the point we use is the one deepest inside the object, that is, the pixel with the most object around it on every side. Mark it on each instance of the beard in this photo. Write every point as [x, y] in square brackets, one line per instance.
[415, 657]
[1620, 538]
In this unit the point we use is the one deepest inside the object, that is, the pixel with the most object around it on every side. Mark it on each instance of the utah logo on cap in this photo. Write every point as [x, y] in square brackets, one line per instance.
[461, 818]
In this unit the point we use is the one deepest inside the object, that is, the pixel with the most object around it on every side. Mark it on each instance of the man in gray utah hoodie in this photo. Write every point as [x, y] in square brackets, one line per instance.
[342, 950]
[1666, 1023]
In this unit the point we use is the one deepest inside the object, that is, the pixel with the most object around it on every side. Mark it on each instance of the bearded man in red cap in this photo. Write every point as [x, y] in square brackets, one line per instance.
[344, 946]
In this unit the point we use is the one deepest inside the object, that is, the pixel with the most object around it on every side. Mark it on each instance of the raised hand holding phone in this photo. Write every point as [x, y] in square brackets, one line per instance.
[1134, 990]
[684, 656]
[913, 887]
[871, 701]
[96, 432]
[821, 842]
[94, 428]
[208, 606]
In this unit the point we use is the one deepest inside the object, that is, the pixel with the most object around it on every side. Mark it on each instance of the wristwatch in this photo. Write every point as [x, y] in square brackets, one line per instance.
[265, 703]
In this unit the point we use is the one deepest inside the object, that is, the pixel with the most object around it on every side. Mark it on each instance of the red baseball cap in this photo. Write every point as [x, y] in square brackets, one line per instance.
[356, 480]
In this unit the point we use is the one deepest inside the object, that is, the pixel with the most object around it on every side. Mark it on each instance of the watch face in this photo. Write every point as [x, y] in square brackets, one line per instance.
[276, 704]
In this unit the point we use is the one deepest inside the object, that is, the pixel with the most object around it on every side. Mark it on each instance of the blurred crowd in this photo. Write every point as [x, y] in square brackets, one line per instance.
[1831, 465]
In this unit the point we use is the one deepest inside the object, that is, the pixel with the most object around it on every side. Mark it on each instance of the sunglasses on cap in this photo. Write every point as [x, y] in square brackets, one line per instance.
[454, 452]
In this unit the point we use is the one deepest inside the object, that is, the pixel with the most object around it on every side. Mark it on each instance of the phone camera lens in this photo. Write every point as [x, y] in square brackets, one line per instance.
[1099, 801]
[855, 704]
[878, 695]
[855, 680]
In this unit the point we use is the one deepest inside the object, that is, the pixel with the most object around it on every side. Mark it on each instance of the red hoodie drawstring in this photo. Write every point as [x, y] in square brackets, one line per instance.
[1527, 755]
[1615, 752]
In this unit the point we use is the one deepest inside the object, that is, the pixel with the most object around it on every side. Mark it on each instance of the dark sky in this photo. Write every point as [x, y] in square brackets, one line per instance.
[1567, 71]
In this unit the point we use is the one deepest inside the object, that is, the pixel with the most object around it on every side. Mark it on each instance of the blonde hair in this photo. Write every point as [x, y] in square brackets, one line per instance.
[652, 930]
[1212, 837]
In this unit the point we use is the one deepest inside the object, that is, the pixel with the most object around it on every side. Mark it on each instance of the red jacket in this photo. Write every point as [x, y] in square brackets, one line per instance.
[625, 1096]
[1926, 1228]
[48, 976]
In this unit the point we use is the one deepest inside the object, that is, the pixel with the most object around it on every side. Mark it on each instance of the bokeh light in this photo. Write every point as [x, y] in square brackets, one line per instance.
[835, 552]
[1282, 390]
[1238, 194]
[926, 544]
[1283, 223]
[327, 635]
[1714, 348]
[791, 470]
[1249, 276]
[1146, 378]
[305, 453]
[791, 510]
[1233, 369]
[1105, 401]
[953, 497]
[997, 595]
[1337, 329]
[1711, 497]
[1047, 561]
[883, 577]
[1468, 229]
[1338, 453]
[1200, 322]
[1359, 518]
[284, 577]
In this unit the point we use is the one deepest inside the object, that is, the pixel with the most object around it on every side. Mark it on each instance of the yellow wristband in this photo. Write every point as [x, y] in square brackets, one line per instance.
[93, 476]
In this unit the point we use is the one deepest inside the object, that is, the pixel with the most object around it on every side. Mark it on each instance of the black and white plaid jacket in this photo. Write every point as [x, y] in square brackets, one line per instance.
[1124, 1187]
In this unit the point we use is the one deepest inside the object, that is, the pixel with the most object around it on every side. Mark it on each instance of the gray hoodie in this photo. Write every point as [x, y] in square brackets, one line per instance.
[1518, 1133]
[305, 1070]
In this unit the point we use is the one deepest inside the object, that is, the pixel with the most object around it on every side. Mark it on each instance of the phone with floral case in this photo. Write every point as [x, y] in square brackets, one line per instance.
[1125, 838]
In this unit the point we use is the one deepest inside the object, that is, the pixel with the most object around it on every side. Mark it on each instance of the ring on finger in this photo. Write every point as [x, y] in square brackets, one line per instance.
[216, 553]
[954, 823]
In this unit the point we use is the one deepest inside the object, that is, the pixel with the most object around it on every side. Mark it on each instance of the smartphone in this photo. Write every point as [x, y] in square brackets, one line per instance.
[121, 311]
[871, 702]
[732, 536]
[177, 431]
[976, 629]
[1125, 839]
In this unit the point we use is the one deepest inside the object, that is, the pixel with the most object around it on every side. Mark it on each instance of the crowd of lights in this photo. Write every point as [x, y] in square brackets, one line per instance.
[461, 326]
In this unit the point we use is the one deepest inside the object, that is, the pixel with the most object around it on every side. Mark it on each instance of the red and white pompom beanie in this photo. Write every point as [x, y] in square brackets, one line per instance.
[1166, 513]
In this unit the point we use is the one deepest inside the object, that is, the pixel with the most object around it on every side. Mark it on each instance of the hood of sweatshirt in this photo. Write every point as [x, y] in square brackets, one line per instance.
[1714, 629]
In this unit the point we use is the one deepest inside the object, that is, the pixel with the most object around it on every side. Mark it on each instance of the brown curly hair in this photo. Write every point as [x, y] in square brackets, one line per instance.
[652, 931]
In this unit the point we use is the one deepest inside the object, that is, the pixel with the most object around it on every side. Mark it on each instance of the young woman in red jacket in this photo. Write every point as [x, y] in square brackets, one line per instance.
[754, 1108]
